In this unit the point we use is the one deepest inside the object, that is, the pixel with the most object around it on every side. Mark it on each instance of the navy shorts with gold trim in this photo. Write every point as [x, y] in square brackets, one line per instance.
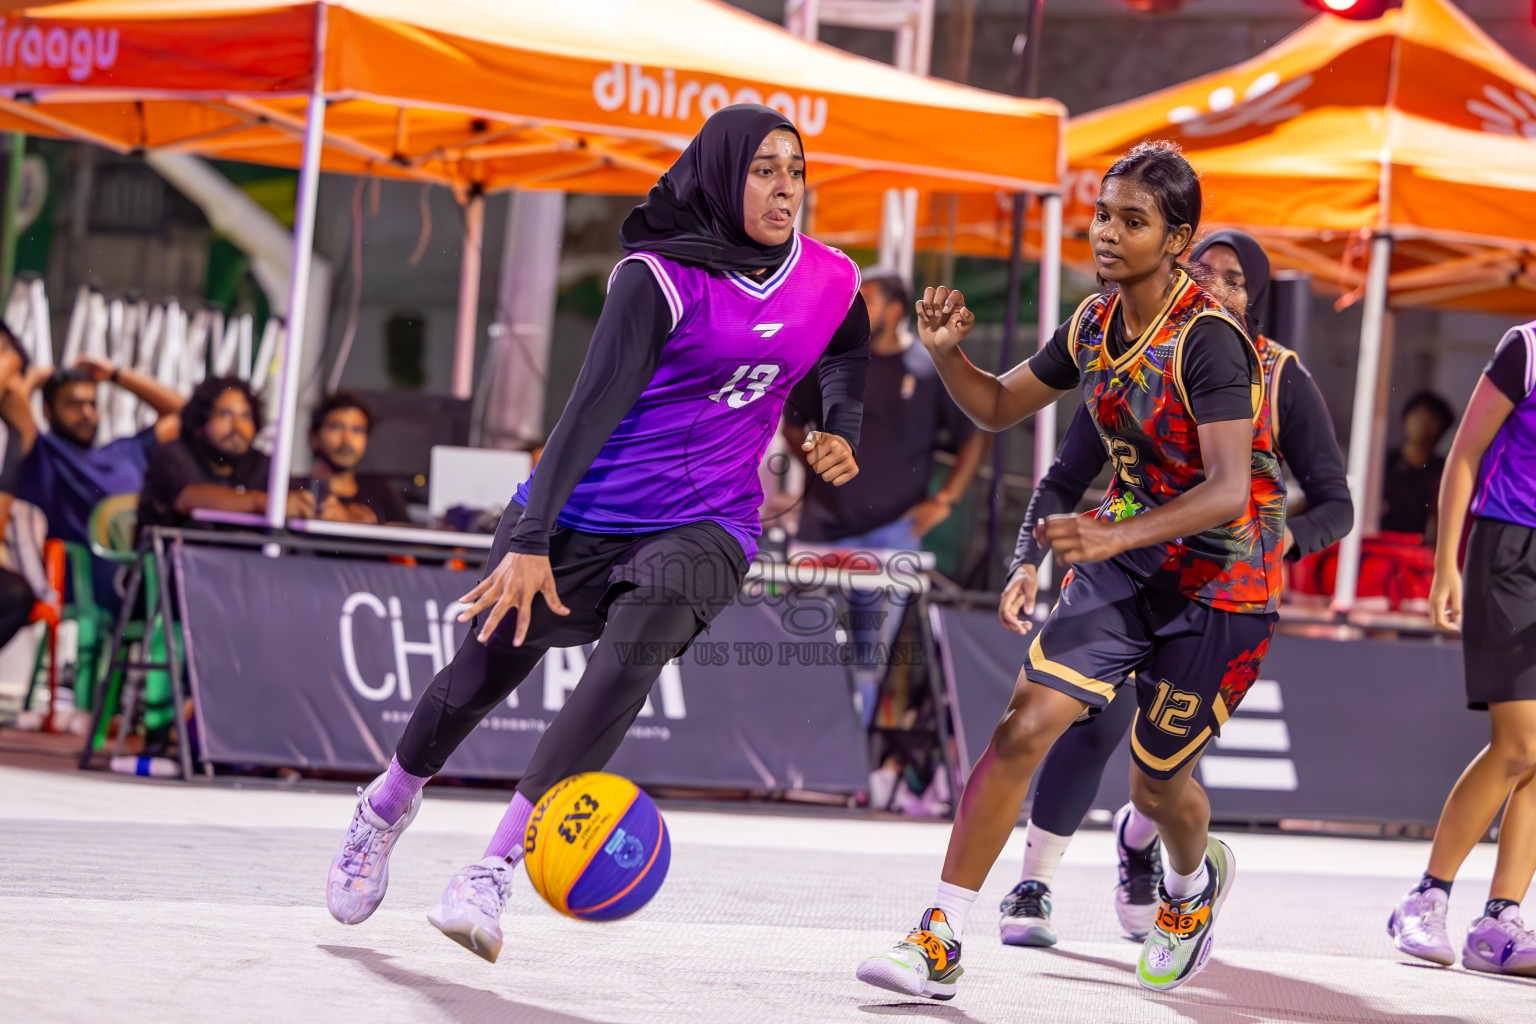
[1192, 663]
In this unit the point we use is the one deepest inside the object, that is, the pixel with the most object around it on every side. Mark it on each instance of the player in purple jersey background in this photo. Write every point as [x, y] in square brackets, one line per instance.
[641, 519]
[1490, 476]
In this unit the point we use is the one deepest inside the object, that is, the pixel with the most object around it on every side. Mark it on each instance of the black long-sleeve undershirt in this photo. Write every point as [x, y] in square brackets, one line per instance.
[1311, 452]
[1307, 446]
[625, 351]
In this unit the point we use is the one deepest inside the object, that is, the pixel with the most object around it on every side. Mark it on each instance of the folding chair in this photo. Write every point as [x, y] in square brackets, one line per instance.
[111, 532]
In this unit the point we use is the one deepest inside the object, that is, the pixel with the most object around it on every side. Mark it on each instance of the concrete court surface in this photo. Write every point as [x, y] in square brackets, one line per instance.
[126, 901]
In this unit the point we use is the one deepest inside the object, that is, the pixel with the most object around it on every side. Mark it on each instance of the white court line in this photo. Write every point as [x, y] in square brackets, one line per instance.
[87, 798]
[1271, 773]
[1269, 735]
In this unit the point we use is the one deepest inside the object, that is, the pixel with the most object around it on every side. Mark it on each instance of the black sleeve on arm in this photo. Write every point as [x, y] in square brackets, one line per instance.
[626, 348]
[1077, 463]
[803, 407]
[1311, 453]
[843, 367]
[10, 465]
[172, 469]
[1219, 370]
[1507, 369]
[1054, 364]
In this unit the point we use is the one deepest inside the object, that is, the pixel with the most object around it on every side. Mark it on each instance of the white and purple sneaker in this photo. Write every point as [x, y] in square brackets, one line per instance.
[469, 911]
[360, 871]
[1500, 946]
[1141, 872]
[1417, 926]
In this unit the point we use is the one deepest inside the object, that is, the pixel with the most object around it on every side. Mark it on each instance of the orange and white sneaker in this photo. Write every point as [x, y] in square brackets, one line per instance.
[925, 963]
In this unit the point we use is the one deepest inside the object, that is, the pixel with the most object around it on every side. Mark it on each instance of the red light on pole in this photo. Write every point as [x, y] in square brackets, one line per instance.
[1355, 10]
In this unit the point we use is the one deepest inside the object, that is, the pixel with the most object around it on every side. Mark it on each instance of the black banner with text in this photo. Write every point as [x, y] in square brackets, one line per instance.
[317, 662]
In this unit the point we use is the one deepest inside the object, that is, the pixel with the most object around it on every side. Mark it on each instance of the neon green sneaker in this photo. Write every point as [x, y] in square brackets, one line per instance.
[925, 963]
[1180, 941]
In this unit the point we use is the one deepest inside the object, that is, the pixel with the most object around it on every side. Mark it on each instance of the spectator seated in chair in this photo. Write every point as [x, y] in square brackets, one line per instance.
[338, 437]
[63, 471]
[17, 595]
[213, 465]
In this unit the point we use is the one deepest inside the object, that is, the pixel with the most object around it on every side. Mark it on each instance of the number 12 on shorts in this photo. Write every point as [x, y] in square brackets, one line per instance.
[1172, 709]
[758, 378]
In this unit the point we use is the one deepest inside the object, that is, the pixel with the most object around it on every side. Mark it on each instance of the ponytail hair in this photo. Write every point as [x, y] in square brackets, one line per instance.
[1161, 167]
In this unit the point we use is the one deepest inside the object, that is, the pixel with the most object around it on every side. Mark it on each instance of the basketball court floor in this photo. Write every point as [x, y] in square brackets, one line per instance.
[125, 901]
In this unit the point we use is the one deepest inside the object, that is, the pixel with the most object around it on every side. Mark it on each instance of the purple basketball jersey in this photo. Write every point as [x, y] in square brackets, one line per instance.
[1507, 484]
[690, 448]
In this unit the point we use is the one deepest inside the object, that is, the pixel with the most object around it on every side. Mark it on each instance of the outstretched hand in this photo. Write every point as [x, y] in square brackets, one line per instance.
[942, 319]
[512, 585]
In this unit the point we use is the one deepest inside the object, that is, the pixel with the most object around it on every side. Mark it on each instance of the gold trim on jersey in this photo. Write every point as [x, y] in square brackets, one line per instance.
[1256, 392]
[1147, 337]
[1066, 673]
[1274, 387]
[1077, 325]
[1164, 764]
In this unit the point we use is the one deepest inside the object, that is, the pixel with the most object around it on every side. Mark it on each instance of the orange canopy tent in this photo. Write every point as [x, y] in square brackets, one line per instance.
[577, 95]
[1415, 126]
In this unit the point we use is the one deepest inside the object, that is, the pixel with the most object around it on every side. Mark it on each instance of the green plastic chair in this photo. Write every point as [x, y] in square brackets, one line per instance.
[92, 621]
[111, 531]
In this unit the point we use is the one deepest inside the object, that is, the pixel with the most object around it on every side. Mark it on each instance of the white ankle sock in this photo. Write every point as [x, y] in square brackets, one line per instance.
[956, 903]
[1184, 886]
[1138, 831]
[1042, 853]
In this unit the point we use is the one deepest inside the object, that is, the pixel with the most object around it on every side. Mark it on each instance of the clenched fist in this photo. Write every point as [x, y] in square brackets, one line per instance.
[830, 457]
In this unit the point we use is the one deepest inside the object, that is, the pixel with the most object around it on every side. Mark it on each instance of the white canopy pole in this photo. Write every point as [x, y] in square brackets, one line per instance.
[298, 287]
[1050, 313]
[1363, 418]
[469, 297]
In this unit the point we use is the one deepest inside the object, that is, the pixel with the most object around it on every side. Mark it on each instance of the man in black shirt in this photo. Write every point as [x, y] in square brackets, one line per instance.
[212, 465]
[1411, 485]
[908, 415]
[338, 436]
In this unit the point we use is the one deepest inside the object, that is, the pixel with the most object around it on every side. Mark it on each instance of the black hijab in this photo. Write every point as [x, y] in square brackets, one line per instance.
[694, 213]
[1255, 263]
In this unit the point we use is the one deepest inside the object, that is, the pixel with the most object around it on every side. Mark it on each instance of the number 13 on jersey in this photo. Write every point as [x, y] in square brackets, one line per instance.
[753, 379]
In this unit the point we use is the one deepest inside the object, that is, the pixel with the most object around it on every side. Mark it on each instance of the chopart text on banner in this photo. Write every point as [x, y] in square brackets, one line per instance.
[660, 94]
[80, 50]
[562, 666]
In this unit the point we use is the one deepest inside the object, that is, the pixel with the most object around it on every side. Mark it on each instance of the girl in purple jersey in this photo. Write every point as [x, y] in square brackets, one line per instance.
[1491, 473]
[640, 521]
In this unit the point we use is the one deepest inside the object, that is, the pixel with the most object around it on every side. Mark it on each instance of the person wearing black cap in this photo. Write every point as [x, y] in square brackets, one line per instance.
[640, 520]
[1235, 271]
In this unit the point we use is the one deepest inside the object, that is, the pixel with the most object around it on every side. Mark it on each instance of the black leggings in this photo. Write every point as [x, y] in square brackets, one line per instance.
[1069, 776]
[16, 601]
[591, 725]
